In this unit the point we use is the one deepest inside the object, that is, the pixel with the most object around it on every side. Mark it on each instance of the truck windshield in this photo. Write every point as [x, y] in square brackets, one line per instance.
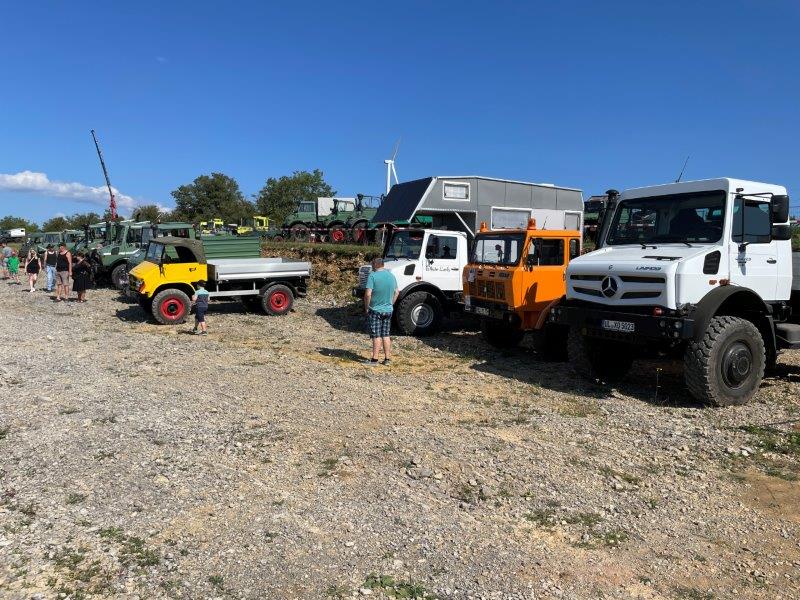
[498, 249]
[405, 244]
[676, 218]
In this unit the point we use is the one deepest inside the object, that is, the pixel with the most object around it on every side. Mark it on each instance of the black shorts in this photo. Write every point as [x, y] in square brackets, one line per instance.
[200, 315]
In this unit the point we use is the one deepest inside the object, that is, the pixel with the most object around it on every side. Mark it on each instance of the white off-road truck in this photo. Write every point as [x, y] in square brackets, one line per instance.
[701, 269]
[427, 264]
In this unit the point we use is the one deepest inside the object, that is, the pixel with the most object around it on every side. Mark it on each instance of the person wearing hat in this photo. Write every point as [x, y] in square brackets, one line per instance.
[50, 259]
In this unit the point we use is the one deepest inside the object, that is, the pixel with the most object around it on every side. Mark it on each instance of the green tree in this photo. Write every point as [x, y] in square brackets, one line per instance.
[80, 220]
[279, 197]
[212, 196]
[10, 222]
[55, 224]
[148, 212]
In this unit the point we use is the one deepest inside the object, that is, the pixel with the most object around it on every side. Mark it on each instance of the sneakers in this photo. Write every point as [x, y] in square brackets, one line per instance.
[372, 362]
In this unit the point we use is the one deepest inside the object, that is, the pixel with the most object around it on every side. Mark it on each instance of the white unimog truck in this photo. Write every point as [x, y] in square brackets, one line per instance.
[701, 269]
[428, 261]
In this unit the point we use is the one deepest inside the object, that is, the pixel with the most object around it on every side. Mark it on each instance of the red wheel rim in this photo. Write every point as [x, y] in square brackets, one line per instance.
[172, 308]
[337, 235]
[278, 301]
[358, 234]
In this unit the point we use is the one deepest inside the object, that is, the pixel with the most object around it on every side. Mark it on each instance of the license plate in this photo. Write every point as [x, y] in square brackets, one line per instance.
[625, 326]
[479, 310]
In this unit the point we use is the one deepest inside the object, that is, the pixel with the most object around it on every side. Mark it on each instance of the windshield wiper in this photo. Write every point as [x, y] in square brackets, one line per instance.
[667, 239]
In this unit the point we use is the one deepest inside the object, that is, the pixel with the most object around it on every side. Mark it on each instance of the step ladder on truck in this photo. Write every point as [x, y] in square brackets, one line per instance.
[699, 269]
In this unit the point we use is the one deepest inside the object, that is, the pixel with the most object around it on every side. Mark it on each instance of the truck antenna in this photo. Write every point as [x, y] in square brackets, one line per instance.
[113, 203]
[683, 169]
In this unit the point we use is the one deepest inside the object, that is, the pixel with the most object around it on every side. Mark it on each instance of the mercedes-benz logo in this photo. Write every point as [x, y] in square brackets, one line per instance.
[608, 287]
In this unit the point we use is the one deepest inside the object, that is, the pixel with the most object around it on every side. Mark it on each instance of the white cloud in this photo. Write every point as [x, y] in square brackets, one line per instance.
[39, 183]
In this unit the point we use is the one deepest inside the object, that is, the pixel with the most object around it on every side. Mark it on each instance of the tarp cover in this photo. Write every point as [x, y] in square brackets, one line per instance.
[403, 198]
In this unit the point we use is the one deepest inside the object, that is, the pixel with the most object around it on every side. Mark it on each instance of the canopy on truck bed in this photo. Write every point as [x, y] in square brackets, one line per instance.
[463, 202]
[188, 245]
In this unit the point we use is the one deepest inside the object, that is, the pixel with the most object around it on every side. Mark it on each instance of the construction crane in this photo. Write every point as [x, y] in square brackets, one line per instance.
[113, 203]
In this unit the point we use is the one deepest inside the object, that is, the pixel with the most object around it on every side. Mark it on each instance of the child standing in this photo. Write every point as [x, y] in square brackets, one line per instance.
[200, 302]
[13, 267]
[32, 267]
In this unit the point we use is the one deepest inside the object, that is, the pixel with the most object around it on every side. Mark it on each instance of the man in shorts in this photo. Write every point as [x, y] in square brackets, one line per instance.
[379, 298]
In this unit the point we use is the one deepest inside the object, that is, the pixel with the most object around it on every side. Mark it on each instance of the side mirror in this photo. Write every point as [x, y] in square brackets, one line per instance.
[780, 209]
[781, 232]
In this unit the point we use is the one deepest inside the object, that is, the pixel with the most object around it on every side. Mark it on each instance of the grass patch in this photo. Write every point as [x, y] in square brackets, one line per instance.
[690, 593]
[579, 408]
[76, 498]
[783, 448]
[367, 251]
[337, 591]
[328, 467]
[216, 580]
[4, 432]
[774, 440]
[70, 410]
[132, 549]
[614, 474]
[396, 589]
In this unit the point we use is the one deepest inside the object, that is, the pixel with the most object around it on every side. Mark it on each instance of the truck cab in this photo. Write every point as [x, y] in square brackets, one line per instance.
[427, 264]
[513, 279]
[702, 268]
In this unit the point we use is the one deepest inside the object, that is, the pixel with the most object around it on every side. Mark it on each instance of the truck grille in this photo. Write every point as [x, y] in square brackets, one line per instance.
[614, 287]
[363, 274]
[488, 289]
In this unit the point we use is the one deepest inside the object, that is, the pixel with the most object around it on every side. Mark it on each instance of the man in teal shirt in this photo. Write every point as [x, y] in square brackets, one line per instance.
[379, 298]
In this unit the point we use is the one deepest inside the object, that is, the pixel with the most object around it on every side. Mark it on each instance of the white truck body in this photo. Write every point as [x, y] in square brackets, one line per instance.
[704, 267]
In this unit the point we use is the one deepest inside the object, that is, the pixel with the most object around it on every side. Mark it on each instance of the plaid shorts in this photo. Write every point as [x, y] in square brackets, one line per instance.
[379, 324]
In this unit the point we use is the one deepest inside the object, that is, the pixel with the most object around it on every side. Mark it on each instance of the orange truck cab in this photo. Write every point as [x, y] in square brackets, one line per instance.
[513, 279]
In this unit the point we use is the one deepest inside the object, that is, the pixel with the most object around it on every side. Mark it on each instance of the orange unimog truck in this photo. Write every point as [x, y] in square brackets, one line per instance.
[513, 279]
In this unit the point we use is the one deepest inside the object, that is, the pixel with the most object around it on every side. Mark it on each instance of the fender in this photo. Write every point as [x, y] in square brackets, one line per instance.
[290, 284]
[184, 287]
[422, 286]
[737, 301]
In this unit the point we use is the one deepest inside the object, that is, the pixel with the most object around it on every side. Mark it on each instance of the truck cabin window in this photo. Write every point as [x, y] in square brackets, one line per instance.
[441, 247]
[545, 253]
[154, 252]
[678, 218]
[757, 222]
[405, 244]
[178, 254]
[498, 249]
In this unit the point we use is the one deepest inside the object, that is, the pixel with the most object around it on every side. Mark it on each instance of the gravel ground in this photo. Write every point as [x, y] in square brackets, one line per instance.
[264, 461]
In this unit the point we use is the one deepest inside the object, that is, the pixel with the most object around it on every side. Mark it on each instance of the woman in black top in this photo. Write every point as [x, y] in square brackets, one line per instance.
[32, 268]
[81, 276]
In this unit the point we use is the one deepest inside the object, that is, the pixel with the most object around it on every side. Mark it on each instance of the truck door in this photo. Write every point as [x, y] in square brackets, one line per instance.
[757, 266]
[442, 260]
[545, 260]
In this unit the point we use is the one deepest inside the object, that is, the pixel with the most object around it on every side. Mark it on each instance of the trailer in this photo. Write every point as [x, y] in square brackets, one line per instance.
[428, 261]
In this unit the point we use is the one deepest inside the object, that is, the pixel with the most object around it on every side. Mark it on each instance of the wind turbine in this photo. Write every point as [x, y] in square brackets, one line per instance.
[389, 162]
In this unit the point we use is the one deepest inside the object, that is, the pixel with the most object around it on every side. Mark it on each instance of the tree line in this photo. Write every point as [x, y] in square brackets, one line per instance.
[214, 196]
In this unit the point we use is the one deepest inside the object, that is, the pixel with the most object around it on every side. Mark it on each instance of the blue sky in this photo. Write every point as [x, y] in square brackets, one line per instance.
[586, 94]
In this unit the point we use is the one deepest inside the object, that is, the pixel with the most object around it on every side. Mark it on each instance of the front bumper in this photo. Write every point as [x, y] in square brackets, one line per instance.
[489, 310]
[610, 324]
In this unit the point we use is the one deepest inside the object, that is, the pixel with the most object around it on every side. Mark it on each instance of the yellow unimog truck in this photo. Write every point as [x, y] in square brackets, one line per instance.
[165, 281]
[513, 279]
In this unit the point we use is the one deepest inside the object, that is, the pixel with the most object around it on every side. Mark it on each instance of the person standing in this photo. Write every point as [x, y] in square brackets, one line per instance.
[379, 297]
[50, 258]
[12, 264]
[32, 267]
[200, 302]
[81, 276]
[63, 272]
[5, 254]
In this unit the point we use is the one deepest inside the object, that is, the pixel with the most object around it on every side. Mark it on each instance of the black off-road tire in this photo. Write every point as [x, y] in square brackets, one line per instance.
[277, 300]
[118, 276]
[726, 366]
[500, 334]
[550, 342]
[419, 314]
[170, 307]
[600, 360]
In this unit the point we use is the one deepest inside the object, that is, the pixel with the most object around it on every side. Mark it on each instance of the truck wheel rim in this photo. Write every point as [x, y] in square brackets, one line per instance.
[337, 235]
[737, 364]
[422, 315]
[358, 233]
[172, 308]
[278, 301]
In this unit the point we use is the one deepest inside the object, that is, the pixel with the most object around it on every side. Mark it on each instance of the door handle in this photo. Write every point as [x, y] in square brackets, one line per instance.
[771, 261]
[192, 269]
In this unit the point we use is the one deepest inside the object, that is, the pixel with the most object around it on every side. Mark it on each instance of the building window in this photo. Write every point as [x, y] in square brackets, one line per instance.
[455, 191]
[510, 219]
